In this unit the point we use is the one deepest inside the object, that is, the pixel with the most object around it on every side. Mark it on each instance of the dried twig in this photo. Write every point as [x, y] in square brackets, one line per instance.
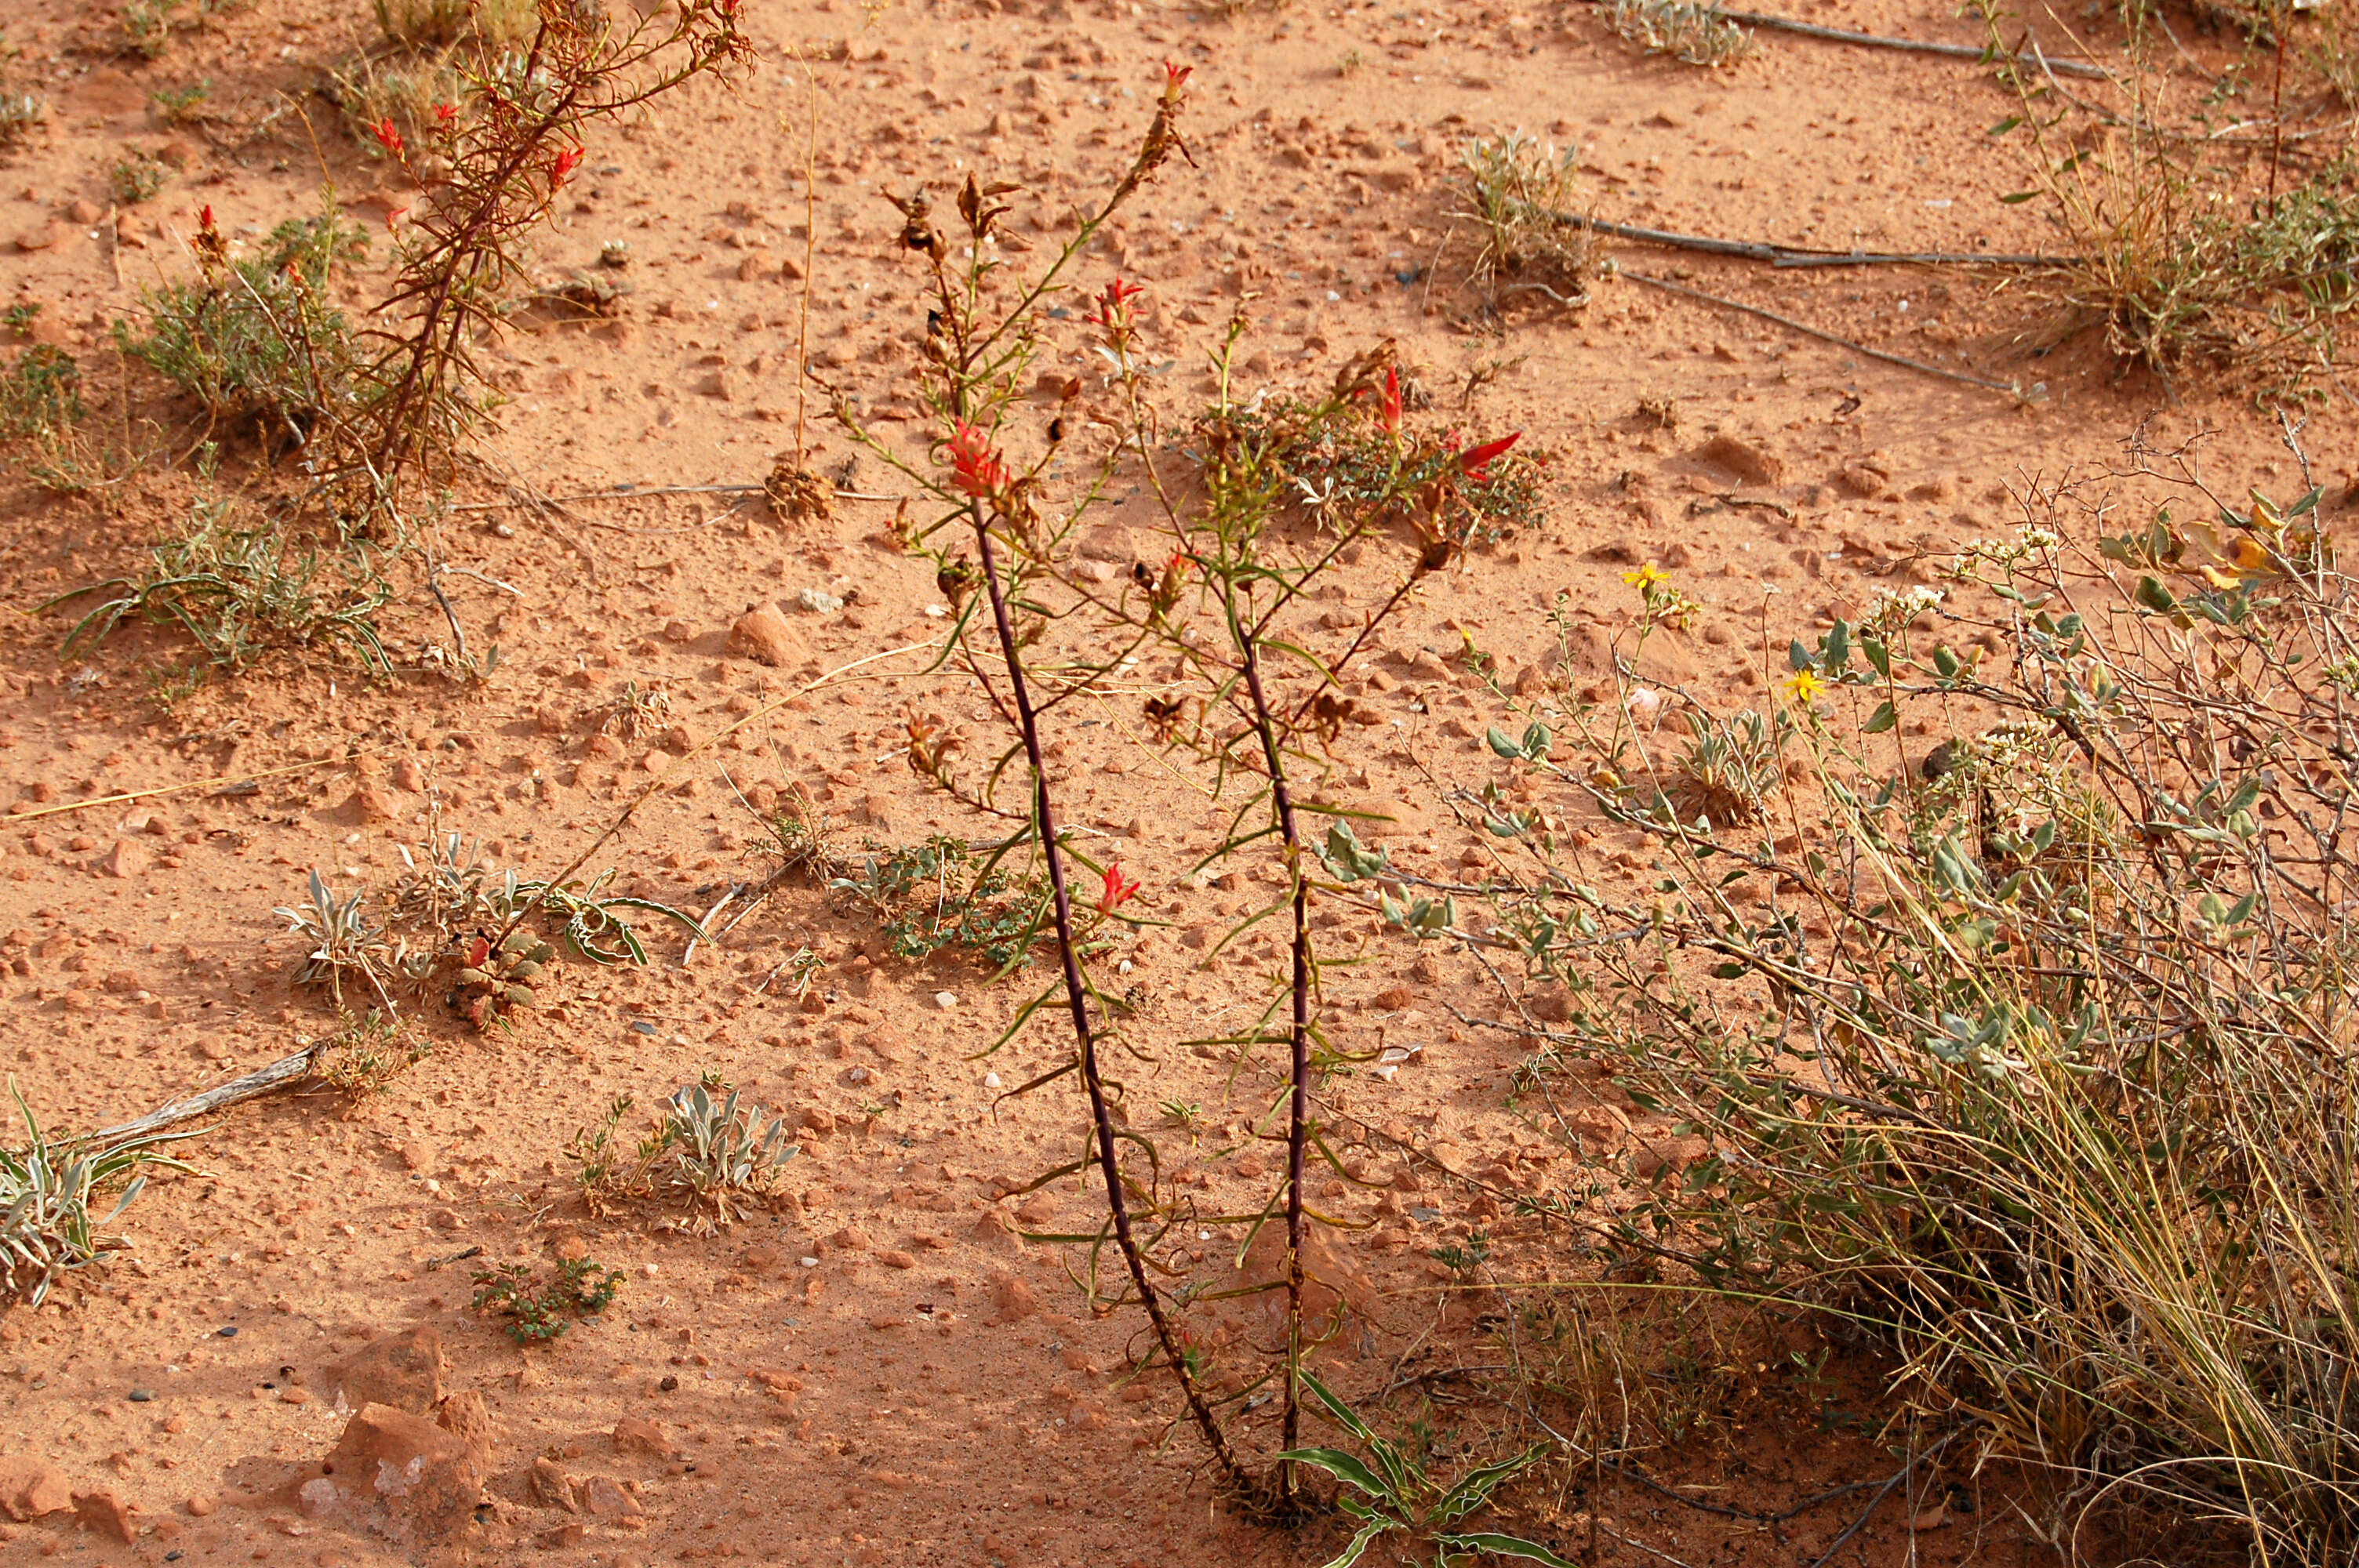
[1917, 46]
[223, 780]
[1795, 255]
[1824, 336]
[627, 492]
[261, 1081]
[1909, 46]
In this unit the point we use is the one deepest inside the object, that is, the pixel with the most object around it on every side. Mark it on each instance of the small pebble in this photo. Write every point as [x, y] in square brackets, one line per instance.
[946, 1000]
[141, 1396]
[229, 1333]
[810, 1263]
[990, 1080]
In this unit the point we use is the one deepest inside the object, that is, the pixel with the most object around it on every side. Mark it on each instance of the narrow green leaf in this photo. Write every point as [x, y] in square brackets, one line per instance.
[1476, 1487]
[1502, 1546]
[1343, 1467]
[1368, 1532]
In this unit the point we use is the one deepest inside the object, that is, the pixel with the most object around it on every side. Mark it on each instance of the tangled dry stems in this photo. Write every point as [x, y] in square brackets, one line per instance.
[2027, 1045]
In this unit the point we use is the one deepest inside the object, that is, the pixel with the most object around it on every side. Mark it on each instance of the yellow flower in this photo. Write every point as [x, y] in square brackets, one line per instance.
[1804, 686]
[1646, 579]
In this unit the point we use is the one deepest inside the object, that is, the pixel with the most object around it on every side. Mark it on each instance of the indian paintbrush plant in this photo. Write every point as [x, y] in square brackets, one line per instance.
[1291, 492]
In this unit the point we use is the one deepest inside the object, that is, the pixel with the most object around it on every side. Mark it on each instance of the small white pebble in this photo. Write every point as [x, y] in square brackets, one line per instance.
[648, 1269]
[946, 1000]
[990, 1080]
[810, 1262]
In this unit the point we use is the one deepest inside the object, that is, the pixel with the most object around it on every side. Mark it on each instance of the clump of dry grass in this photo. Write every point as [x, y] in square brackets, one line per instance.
[2028, 1045]
[1518, 189]
[2178, 262]
[2187, 252]
[425, 25]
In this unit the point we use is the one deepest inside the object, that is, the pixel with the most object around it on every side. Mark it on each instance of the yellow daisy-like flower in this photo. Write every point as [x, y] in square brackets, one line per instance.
[1645, 578]
[1804, 686]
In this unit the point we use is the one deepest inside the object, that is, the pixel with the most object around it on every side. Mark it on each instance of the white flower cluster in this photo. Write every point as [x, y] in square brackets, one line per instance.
[2014, 767]
[1893, 611]
[2031, 543]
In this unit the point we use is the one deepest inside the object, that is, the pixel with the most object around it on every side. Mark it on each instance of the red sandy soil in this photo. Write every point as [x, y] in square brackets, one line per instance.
[932, 1389]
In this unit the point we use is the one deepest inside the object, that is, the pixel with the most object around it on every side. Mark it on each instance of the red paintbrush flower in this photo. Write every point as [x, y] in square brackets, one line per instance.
[1475, 462]
[1388, 401]
[1116, 890]
[386, 136]
[566, 162]
[1114, 304]
[974, 466]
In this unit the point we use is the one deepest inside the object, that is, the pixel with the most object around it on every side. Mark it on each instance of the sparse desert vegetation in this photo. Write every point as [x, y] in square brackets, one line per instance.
[1004, 785]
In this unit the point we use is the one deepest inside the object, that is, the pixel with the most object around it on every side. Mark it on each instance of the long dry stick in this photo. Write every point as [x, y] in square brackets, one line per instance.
[1918, 45]
[287, 1070]
[1910, 45]
[225, 780]
[1791, 256]
[1077, 1003]
[1824, 336]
